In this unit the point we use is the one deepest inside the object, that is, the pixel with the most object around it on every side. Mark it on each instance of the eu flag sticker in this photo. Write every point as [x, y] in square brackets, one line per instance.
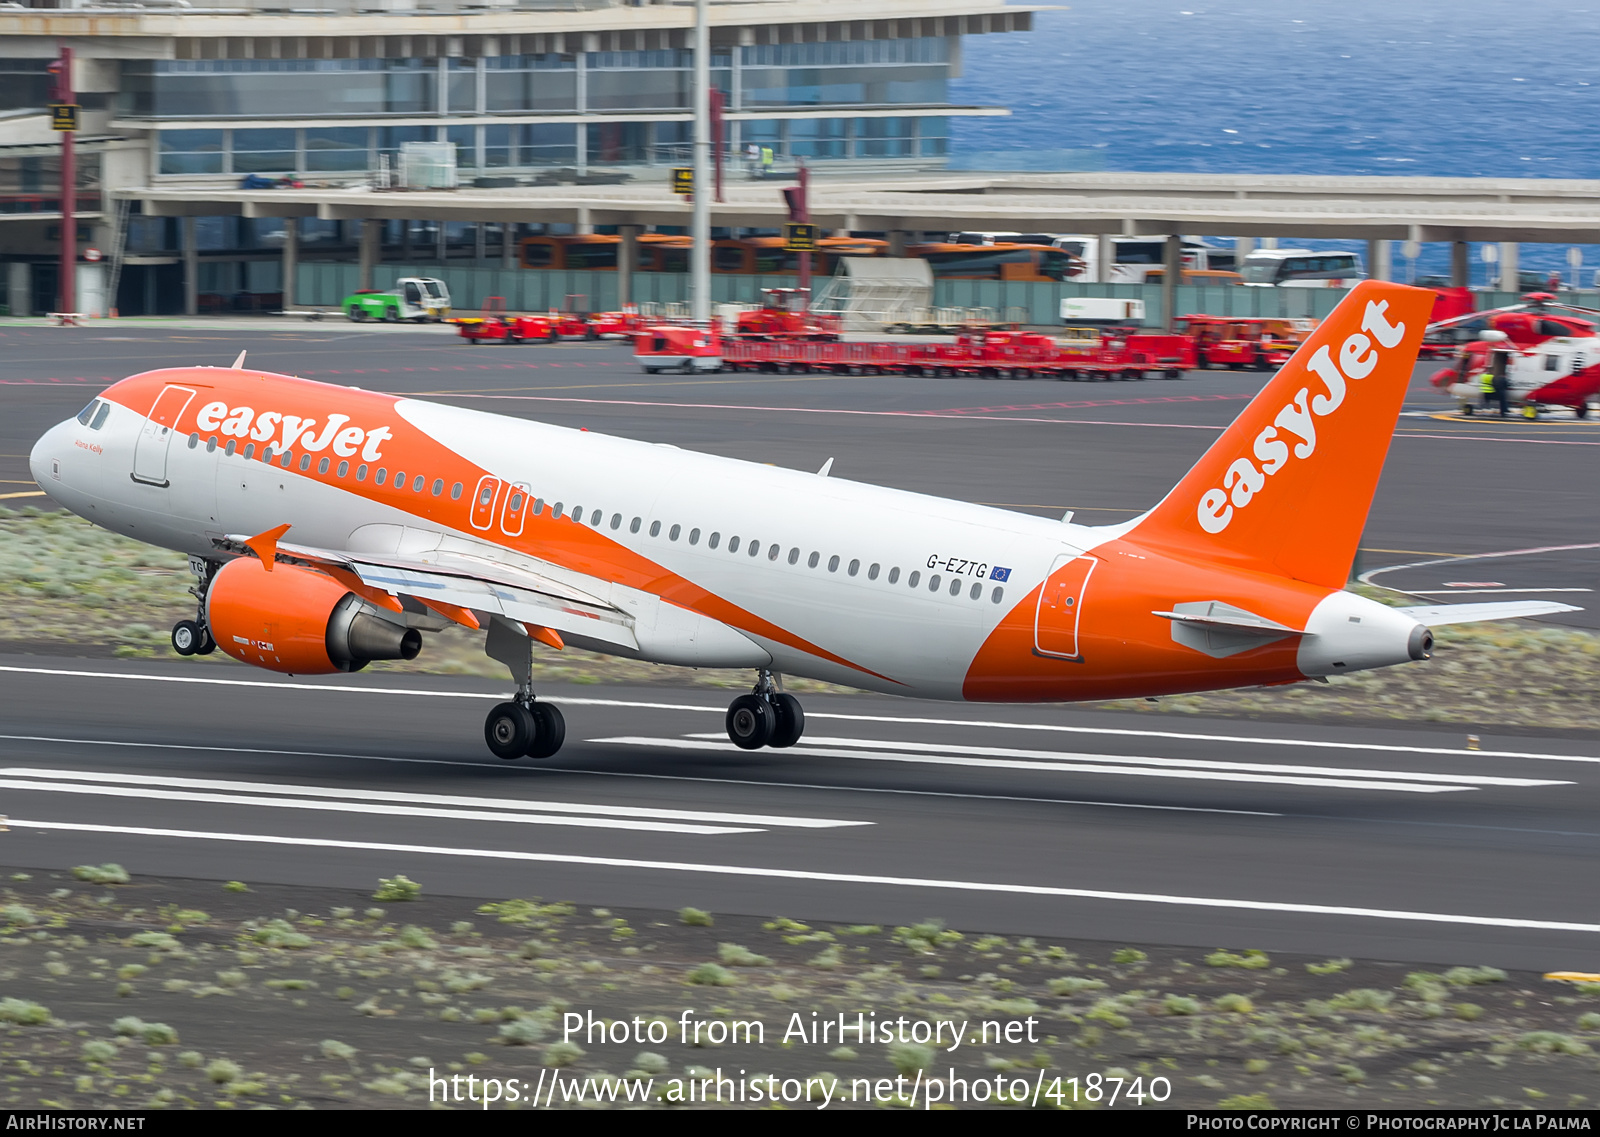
[999, 573]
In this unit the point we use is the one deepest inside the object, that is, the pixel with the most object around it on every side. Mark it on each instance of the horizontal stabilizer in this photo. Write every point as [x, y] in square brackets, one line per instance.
[1440, 614]
[1219, 630]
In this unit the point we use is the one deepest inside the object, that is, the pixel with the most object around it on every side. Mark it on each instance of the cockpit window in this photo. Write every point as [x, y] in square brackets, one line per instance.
[88, 412]
[100, 416]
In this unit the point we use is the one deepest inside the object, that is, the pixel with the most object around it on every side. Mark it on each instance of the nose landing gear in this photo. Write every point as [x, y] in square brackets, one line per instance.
[765, 717]
[193, 637]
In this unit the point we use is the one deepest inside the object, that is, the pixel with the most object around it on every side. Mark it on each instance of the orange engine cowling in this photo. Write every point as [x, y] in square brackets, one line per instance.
[299, 621]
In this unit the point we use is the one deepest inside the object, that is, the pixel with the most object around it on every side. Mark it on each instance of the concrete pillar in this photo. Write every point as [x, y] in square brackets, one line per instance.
[581, 143]
[1173, 261]
[627, 257]
[191, 268]
[1107, 256]
[19, 288]
[507, 229]
[371, 234]
[480, 240]
[441, 244]
[1269, 242]
[583, 225]
[899, 239]
[1509, 266]
[291, 258]
[1380, 260]
[1460, 266]
[1242, 248]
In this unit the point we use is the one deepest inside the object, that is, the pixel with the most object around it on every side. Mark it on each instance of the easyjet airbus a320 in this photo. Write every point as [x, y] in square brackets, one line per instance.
[330, 527]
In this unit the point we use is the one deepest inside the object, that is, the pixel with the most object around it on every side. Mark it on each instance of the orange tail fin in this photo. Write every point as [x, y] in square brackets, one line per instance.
[1287, 487]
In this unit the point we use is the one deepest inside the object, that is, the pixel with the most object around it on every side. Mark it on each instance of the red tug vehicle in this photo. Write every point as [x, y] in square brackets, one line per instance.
[1245, 343]
[496, 325]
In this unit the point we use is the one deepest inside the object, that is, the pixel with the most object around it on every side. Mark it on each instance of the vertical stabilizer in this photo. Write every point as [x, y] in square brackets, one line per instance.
[1287, 487]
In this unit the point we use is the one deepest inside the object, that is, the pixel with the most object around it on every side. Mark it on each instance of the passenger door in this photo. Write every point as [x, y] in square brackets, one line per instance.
[155, 437]
[1060, 612]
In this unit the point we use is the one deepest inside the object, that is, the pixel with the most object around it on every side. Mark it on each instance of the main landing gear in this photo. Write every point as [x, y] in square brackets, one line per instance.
[522, 727]
[765, 717]
[192, 637]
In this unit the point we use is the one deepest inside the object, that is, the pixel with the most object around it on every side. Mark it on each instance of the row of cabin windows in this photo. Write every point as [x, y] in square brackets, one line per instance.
[596, 518]
[774, 551]
[286, 460]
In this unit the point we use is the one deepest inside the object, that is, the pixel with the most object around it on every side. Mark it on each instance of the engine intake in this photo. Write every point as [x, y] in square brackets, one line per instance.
[299, 621]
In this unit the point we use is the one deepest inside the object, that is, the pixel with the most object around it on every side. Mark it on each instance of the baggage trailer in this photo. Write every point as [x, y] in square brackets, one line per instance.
[982, 355]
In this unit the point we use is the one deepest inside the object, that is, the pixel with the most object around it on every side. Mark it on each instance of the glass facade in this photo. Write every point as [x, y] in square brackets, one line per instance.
[24, 83]
[277, 88]
[531, 83]
[863, 73]
[778, 79]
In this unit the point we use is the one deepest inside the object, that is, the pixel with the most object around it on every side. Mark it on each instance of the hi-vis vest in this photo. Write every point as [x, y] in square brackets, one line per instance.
[1486, 382]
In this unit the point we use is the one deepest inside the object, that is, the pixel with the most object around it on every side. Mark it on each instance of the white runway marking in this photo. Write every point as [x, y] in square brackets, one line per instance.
[1196, 763]
[1107, 767]
[394, 804]
[824, 877]
[503, 768]
[983, 724]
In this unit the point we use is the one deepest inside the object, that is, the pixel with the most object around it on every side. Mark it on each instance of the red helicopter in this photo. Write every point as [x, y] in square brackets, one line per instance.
[1546, 353]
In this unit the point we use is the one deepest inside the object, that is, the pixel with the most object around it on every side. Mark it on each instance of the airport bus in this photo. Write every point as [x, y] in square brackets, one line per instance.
[1136, 259]
[663, 252]
[1301, 268]
[1004, 261]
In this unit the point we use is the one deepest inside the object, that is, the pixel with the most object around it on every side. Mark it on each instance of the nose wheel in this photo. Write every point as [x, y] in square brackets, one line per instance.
[765, 717]
[524, 729]
[193, 637]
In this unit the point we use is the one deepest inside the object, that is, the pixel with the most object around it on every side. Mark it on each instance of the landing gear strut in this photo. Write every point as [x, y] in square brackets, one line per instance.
[765, 717]
[522, 727]
[192, 637]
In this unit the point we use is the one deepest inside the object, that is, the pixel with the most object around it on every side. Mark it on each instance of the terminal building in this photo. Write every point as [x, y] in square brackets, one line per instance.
[586, 92]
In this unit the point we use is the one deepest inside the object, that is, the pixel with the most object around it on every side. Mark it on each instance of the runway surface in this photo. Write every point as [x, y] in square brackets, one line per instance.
[1377, 843]
[1105, 450]
[1393, 842]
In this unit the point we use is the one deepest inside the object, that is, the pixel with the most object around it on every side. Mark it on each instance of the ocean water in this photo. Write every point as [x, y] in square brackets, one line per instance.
[1422, 87]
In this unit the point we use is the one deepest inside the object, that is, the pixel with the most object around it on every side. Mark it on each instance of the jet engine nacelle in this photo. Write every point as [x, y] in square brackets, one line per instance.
[299, 621]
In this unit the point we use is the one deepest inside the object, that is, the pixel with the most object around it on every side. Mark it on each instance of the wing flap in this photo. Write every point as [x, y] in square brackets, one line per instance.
[473, 583]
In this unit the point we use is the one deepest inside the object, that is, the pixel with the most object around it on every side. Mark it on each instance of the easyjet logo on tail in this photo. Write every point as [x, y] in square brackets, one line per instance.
[1294, 429]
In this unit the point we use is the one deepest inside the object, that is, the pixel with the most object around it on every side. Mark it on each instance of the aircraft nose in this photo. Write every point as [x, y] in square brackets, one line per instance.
[44, 460]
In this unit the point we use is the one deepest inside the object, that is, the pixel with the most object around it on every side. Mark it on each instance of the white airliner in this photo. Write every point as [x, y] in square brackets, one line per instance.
[331, 527]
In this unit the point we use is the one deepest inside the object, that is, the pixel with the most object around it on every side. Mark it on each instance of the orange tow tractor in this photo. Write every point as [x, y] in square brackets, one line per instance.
[1244, 343]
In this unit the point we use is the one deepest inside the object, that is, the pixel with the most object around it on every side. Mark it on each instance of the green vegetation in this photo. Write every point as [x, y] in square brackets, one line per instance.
[397, 888]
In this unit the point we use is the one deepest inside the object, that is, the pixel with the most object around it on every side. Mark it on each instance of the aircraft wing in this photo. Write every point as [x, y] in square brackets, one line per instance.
[465, 583]
[1440, 614]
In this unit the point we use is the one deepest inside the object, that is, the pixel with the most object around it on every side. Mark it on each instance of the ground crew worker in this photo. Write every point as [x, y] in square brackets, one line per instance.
[1501, 384]
[766, 160]
[1486, 387]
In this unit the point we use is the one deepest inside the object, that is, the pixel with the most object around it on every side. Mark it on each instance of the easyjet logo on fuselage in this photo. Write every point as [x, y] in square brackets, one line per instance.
[294, 430]
[1358, 357]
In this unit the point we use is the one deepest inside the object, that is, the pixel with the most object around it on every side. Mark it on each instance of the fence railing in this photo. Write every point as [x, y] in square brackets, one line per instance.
[1027, 302]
